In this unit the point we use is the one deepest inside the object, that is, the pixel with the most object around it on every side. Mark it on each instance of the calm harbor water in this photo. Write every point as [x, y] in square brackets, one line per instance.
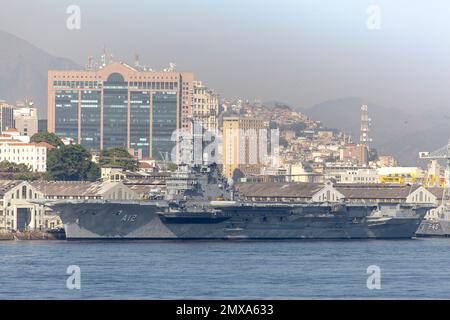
[215, 270]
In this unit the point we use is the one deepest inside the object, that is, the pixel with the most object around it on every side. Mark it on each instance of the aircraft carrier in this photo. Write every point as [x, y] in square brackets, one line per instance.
[208, 208]
[93, 219]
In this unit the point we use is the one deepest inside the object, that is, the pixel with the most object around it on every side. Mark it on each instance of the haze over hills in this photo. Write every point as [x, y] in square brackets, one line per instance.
[23, 71]
[393, 131]
[24, 67]
[277, 104]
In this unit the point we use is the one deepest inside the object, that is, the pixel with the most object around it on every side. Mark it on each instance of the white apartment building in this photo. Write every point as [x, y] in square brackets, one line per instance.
[363, 176]
[16, 148]
[13, 135]
[26, 120]
[31, 154]
[205, 106]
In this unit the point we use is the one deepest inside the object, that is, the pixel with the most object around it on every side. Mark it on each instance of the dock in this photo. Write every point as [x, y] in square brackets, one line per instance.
[33, 235]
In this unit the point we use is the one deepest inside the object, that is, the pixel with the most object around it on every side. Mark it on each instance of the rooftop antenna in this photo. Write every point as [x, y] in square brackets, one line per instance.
[136, 60]
[90, 64]
[172, 67]
[103, 57]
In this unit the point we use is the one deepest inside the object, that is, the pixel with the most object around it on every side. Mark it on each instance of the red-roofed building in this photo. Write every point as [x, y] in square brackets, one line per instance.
[45, 144]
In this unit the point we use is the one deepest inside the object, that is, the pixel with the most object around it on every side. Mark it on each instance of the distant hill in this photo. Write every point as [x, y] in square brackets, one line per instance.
[23, 71]
[272, 104]
[393, 131]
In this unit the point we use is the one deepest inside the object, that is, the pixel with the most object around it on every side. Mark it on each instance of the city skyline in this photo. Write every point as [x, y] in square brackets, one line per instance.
[216, 153]
[119, 106]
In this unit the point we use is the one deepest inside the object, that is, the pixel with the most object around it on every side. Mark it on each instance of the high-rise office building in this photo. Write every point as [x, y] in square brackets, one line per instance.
[242, 145]
[120, 106]
[6, 116]
[26, 119]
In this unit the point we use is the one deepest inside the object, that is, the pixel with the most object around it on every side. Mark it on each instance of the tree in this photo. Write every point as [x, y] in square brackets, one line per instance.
[118, 157]
[28, 176]
[93, 172]
[238, 175]
[373, 154]
[172, 167]
[6, 166]
[297, 127]
[71, 162]
[283, 142]
[50, 138]
[18, 171]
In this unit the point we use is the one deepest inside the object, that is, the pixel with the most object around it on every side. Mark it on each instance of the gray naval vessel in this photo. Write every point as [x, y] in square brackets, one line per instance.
[437, 223]
[202, 205]
[438, 226]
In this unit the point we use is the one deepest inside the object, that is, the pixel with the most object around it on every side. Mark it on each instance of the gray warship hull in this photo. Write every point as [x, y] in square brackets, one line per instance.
[434, 228]
[96, 220]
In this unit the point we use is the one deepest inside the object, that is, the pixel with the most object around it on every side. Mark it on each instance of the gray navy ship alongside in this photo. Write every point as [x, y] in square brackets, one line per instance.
[195, 213]
[439, 226]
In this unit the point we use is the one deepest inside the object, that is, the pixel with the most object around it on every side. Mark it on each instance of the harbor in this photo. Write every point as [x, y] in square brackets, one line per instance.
[199, 203]
[221, 157]
[34, 235]
[225, 270]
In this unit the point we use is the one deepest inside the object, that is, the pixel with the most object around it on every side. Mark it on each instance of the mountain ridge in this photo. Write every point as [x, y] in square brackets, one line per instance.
[393, 131]
[23, 71]
[24, 68]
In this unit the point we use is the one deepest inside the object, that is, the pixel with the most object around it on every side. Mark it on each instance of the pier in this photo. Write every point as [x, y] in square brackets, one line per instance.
[33, 235]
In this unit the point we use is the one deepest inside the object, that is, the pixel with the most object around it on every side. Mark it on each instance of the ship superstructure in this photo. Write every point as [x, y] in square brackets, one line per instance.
[437, 223]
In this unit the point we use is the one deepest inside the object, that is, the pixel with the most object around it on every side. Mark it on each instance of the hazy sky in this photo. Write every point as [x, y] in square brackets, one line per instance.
[301, 52]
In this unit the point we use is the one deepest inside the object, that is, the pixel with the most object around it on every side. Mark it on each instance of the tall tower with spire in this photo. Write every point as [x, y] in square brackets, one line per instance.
[364, 137]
